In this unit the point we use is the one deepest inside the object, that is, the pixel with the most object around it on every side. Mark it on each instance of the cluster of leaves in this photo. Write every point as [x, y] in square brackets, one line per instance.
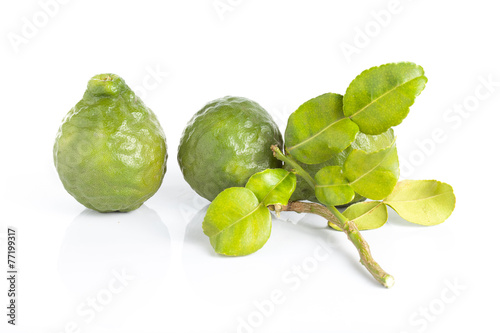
[238, 221]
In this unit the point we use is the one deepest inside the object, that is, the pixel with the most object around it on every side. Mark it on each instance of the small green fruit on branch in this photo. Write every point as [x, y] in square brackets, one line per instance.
[349, 145]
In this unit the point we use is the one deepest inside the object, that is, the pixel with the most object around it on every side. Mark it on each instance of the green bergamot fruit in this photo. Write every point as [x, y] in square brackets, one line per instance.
[110, 151]
[225, 143]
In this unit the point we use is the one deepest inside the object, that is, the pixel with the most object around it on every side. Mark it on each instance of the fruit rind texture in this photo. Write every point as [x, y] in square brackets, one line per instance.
[110, 151]
[225, 143]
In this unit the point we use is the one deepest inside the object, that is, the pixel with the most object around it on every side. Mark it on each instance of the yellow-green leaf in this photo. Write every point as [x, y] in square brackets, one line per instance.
[318, 129]
[365, 142]
[380, 97]
[373, 175]
[272, 186]
[366, 215]
[237, 223]
[332, 188]
[425, 202]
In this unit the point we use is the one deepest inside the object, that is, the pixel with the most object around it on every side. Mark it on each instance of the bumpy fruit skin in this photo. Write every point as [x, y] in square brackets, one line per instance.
[110, 151]
[225, 143]
[366, 142]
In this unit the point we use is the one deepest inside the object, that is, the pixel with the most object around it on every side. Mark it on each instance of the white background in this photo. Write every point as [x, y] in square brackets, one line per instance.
[280, 54]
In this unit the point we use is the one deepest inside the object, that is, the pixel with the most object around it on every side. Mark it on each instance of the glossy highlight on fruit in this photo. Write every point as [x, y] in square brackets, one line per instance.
[225, 143]
[110, 151]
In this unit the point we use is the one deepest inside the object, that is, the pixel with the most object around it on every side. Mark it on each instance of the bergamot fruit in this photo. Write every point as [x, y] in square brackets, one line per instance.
[225, 143]
[110, 151]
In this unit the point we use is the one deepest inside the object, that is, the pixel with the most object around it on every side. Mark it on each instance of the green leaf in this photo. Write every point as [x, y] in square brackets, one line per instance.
[237, 223]
[425, 202]
[332, 188]
[365, 142]
[366, 215]
[272, 186]
[373, 175]
[380, 97]
[318, 129]
[372, 143]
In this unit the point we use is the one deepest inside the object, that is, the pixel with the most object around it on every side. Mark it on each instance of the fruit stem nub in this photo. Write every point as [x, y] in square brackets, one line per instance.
[105, 85]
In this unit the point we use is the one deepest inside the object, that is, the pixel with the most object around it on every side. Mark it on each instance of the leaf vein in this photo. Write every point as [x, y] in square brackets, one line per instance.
[314, 135]
[421, 199]
[376, 166]
[368, 212]
[254, 210]
[274, 187]
[238, 221]
[332, 185]
[379, 97]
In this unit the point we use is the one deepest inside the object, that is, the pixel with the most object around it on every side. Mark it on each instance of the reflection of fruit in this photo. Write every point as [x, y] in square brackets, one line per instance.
[225, 143]
[96, 246]
[368, 143]
[110, 151]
